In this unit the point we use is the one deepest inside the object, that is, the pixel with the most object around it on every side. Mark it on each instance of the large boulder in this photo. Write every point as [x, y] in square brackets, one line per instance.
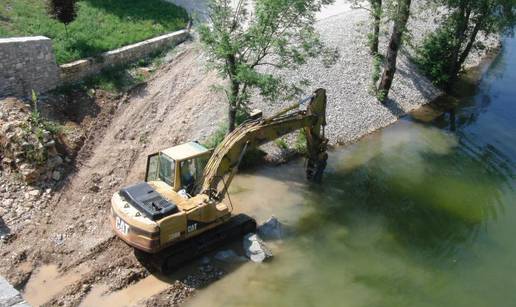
[272, 229]
[255, 249]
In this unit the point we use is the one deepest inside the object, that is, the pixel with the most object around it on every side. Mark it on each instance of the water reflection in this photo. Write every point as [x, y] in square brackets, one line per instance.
[418, 214]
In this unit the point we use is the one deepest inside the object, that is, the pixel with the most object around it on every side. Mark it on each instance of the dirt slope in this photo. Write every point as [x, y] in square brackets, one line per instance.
[175, 103]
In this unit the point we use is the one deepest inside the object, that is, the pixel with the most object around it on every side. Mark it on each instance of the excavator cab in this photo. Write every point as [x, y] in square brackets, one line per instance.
[180, 167]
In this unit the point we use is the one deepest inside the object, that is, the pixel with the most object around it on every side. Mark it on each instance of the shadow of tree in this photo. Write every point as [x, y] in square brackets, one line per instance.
[411, 72]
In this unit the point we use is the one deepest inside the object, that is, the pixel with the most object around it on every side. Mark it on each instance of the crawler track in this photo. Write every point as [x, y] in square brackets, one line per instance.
[176, 255]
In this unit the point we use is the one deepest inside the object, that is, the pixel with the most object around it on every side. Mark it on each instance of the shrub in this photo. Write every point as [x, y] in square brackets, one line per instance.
[434, 56]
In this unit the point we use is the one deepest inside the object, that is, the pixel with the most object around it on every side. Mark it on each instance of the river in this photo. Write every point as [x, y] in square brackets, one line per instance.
[417, 214]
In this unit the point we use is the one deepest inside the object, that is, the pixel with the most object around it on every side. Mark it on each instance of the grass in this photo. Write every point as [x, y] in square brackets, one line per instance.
[101, 25]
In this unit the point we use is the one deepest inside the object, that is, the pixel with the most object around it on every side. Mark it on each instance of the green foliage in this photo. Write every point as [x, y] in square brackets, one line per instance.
[377, 68]
[381, 95]
[444, 51]
[281, 144]
[37, 126]
[279, 34]
[434, 57]
[216, 138]
[100, 25]
[300, 144]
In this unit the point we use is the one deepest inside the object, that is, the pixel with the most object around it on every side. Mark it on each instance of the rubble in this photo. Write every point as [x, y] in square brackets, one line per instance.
[255, 249]
[26, 144]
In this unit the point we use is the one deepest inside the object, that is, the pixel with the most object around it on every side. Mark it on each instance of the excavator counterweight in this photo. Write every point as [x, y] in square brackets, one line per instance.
[178, 212]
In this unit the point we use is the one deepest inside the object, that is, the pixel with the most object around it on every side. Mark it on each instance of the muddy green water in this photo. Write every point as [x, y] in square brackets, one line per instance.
[419, 214]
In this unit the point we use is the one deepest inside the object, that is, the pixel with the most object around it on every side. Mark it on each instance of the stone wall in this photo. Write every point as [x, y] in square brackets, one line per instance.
[27, 63]
[80, 69]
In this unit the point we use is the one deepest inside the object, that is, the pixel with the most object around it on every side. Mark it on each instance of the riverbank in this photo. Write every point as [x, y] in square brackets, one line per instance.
[174, 106]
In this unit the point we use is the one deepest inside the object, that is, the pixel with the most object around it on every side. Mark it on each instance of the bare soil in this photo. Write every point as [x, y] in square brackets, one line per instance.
[72, 230]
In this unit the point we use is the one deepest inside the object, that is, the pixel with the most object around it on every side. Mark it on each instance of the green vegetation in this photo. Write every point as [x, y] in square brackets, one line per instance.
[444, 51]
[100, 25]
[279, 34]
[38, 126]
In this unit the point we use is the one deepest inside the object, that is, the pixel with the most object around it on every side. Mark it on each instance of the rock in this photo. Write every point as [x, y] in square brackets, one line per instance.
[29, 173]
[229, 256]
[7, 203]
[255, 249]
[54, 162]
[272, 229]
[56, 175]
[34, 193]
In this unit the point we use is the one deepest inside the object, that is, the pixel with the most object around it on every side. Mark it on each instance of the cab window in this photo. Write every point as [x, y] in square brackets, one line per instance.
[188, 174]
[166, 169]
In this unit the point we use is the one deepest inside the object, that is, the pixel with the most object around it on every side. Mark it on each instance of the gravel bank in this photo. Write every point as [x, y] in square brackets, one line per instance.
[352, 111]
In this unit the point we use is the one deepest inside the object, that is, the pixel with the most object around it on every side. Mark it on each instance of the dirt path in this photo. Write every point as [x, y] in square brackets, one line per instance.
[173, 107]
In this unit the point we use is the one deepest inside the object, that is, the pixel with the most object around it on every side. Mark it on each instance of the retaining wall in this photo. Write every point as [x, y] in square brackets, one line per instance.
[27, 63]
[77, 70]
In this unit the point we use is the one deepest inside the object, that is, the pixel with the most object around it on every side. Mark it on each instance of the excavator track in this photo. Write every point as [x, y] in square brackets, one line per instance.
[173, 257]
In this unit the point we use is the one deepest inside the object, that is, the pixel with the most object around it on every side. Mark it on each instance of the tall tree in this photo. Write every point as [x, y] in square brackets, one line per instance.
[444, 52]
[401, 16]
[243, 38]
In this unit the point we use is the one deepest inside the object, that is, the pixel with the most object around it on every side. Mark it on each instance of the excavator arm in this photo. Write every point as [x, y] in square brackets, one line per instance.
[309, 114]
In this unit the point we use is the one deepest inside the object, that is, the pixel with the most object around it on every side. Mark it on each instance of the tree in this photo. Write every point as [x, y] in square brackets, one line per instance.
[444, 52]
[245, 38]
[65, 11]
[401, 16]
[376, 11]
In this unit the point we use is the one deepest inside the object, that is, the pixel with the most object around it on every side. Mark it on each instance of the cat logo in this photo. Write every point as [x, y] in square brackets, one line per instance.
[192, 227]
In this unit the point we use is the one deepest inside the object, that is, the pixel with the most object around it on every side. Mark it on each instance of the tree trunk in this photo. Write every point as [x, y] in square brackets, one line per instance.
[389, 69]
[471, 41]
[231, 118]
[376, 7]
[460, 35]
[233, 95]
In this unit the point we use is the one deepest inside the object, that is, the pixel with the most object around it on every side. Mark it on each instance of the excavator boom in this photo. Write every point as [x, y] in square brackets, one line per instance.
[309, 115]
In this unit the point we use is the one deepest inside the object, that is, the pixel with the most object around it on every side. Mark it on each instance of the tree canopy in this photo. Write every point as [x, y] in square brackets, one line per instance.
[243, 38]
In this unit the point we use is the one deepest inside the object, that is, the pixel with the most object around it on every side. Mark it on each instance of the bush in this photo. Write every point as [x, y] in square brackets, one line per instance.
[434, 56]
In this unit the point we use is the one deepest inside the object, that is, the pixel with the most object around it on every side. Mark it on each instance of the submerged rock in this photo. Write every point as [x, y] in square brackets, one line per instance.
[229, 256]
[255, 249]
[272, 229]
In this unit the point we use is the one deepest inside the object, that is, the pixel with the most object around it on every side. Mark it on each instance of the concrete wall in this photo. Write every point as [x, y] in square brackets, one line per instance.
[77, 70]
[27, 63]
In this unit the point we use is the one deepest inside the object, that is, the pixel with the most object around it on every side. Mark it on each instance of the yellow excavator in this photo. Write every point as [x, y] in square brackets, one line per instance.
[179, 212]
